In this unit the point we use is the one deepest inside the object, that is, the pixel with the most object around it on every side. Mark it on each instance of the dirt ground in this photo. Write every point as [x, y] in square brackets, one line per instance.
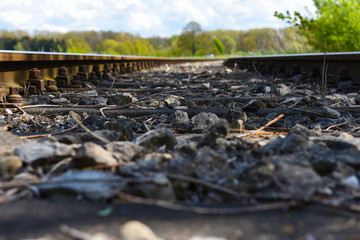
[38, 219]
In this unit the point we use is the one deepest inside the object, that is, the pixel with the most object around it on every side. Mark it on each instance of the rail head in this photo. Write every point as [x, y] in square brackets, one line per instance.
[333, 56]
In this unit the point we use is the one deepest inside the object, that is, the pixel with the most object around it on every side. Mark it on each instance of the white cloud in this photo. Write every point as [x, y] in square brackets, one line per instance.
[146, 17]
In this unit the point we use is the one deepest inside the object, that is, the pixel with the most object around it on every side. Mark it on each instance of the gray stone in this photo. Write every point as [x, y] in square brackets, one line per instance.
[60, 101]
[181, 117]
[123, 127]
[300, 181]
[187, 147]
[219, 130]
[301, 130]
[293, 143]
[91, 154]
[154, 139]
[36, 153]
[203, 121]
[254, 106]
[125, 151]
[210, 165]
[281, 89]
[93, 185]
[331, 112]
[173, 101]
[121, 99]
[158, 188]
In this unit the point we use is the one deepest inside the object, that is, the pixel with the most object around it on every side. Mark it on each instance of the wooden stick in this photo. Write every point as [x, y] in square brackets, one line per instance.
[88, 130]
[266, 125]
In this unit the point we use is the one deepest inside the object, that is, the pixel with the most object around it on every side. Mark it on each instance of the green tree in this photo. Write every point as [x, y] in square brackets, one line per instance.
[78, 45]
[108, 46]
[126, 48]
[189, 40]
[229, 44]
[335, 27]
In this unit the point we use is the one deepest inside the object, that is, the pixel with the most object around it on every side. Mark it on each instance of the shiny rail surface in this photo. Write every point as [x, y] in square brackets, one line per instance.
[337, 66]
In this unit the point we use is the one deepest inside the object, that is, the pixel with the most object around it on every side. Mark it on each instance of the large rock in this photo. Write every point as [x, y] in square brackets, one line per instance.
[210, 165]
[219, 130]
[36, 153]
[154, 139]
[203, 121]
[91, 154]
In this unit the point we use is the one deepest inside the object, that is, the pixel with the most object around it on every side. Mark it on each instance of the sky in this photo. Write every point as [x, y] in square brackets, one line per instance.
[145, 17]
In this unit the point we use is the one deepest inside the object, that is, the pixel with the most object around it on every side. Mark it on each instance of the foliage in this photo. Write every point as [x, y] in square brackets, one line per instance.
[108, 46]
[190, 40]
[78, 45]
[335, 27]
[228, 43]
[219, 45]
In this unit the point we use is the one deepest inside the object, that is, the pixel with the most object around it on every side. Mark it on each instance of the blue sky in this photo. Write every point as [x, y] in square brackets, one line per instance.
[145, 17]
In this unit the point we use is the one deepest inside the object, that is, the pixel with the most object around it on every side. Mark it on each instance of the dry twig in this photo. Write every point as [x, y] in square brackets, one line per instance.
[266, 125]
[49, 134]
[202, 210]
[88, 130]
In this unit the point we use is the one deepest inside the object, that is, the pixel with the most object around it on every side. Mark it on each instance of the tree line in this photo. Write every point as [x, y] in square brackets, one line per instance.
[192, 41]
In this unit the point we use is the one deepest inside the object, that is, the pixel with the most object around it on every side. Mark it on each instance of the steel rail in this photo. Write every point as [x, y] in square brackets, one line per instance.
[14, 65]
[341, 64]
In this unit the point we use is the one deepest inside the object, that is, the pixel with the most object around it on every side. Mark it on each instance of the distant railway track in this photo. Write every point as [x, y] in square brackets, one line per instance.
[338, 66]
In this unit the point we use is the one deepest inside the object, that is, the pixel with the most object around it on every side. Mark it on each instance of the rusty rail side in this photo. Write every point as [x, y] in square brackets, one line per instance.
[339, 66]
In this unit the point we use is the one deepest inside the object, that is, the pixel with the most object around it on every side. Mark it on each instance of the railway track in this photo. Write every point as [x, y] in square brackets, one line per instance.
[266, 133]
